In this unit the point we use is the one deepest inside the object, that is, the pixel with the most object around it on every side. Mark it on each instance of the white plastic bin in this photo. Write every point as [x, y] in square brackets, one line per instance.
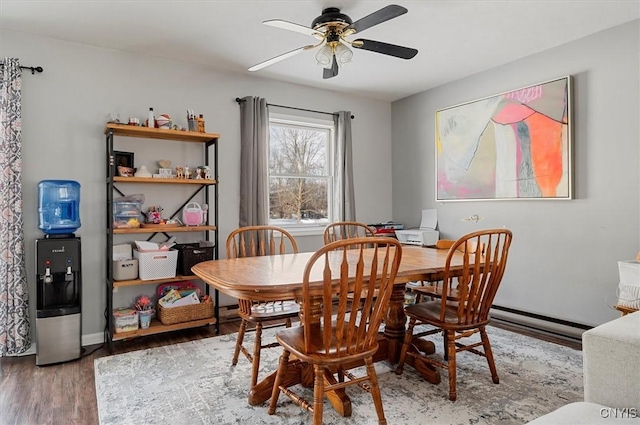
[156, 264]
[126, 320]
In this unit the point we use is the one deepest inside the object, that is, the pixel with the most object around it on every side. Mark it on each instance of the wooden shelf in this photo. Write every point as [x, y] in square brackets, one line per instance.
[156, 327]
[136, 282]
[201, 182]
[169, 229]
[159, 133]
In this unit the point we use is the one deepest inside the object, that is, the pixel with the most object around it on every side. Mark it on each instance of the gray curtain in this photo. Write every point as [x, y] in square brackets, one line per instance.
[344, 198]
[254, 162]
[15, 333]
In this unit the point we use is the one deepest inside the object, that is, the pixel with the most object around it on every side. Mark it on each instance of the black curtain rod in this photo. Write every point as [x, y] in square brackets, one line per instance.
[33, 69]
[297, 109]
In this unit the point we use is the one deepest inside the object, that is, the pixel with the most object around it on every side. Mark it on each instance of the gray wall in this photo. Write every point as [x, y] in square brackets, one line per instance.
[563, 261]
[64, 111]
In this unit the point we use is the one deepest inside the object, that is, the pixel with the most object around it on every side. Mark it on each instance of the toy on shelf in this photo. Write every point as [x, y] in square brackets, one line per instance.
[164, 121]
[182, 172]
[203, 172]
[154, 214]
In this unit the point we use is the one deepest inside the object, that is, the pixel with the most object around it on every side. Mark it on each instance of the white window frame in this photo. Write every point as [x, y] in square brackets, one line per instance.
[310, 229]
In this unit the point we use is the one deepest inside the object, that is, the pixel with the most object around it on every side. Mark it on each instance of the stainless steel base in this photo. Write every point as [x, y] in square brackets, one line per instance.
[58, 339]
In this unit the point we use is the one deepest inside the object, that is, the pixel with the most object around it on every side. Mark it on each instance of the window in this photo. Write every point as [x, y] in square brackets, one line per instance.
[300, 177]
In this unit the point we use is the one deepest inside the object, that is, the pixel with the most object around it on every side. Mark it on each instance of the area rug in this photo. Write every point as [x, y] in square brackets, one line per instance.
[194, 383]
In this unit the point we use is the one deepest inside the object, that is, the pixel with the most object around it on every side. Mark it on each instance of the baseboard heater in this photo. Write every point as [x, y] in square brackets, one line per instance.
[538, 322]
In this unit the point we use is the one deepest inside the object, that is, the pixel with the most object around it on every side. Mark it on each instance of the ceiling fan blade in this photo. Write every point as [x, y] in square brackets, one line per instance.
[331, 72]
[382, 15]
[286, 25]
[281, 57]
[385, 48]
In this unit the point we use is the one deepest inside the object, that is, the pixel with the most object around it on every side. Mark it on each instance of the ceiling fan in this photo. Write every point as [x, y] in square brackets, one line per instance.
[332, 29]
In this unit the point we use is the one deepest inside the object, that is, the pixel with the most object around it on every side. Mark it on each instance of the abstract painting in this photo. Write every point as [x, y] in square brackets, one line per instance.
[514, 145]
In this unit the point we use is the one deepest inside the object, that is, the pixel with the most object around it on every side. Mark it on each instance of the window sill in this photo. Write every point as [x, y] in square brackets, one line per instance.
[305, 230]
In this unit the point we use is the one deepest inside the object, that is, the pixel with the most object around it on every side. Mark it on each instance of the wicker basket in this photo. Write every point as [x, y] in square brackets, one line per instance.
[187, 313]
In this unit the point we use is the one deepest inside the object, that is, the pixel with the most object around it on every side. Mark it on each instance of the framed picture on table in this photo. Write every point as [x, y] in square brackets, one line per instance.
[124, 163]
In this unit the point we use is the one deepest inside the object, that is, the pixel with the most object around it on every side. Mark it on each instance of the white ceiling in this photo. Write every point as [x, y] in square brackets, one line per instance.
[455, 38]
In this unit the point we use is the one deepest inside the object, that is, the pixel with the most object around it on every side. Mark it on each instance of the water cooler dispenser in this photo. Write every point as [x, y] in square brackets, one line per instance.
[59, 206]
[58, 313]
[58, 274]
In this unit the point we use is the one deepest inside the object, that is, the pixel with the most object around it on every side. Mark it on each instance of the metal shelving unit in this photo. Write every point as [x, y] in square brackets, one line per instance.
[210, 229]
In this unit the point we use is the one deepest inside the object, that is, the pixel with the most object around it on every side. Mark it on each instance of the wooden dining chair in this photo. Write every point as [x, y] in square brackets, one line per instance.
[335, 340]
[479, 281]
[346, 230]
[433, 289]
[253, 241]
[341, 230]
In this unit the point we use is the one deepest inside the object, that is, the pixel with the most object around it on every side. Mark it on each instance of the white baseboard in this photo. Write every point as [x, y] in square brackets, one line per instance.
[90, 339]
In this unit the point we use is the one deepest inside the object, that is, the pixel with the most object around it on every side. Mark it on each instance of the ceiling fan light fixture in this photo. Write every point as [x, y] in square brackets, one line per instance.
[343, 54]
[333, 28]
[325, 56]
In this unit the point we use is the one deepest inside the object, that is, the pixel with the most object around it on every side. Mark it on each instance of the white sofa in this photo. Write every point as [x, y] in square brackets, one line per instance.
[611, 364]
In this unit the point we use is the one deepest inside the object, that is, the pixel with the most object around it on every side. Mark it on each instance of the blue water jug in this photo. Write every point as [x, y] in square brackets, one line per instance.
[58, 206]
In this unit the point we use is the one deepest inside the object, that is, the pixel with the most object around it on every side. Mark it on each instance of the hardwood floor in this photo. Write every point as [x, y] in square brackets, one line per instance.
[65, 393]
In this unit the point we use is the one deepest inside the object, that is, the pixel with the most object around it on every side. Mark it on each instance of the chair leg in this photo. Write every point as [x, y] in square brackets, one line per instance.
[257, 345]
[282, 370]
[445, 338]
[418, 294]
[408, 336]
[451, 363]
[489, 355]
[318, 394]
[239, 339]
[375, 390]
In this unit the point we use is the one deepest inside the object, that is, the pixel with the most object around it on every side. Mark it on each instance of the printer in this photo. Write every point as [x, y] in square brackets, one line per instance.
[426, 235]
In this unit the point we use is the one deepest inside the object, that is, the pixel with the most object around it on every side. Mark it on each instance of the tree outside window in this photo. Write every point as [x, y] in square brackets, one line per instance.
[299, 176]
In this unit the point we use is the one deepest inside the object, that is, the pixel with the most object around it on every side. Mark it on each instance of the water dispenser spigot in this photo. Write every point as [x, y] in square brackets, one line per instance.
[47, 275]
[69, 276]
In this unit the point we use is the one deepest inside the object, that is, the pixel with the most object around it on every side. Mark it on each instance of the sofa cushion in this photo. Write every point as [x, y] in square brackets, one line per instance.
[582, 412]
[611, 363]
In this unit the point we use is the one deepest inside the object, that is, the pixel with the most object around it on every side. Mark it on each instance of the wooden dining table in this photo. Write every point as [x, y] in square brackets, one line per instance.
[279, 277]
